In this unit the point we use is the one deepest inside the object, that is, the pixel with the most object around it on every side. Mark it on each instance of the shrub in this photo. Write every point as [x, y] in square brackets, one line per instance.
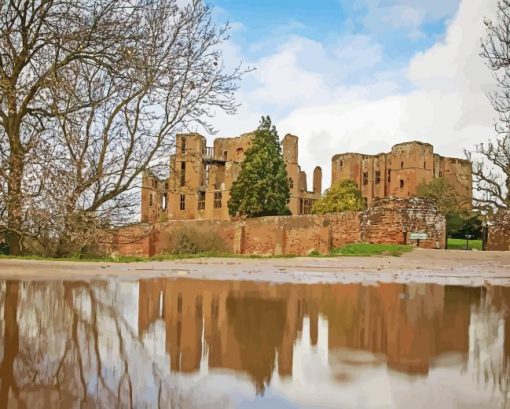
[190, 240]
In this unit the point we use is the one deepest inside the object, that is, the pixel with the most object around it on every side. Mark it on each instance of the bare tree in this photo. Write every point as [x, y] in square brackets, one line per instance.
[491, 172]
[92, 94]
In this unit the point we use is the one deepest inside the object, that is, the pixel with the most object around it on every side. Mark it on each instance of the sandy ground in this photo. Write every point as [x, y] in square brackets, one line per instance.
[470, 268]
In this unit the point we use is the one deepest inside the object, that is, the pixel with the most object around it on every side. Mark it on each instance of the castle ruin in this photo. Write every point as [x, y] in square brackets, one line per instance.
[201, 178]
[400, 172]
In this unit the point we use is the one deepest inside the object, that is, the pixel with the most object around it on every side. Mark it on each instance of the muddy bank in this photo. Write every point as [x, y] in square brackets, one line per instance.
[427, 266]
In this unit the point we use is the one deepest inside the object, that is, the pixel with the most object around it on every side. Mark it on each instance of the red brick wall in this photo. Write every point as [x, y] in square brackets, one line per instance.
[207, 230]
[389, 220]
[498, 237]
[345, 228]
[134, 240]
[392, 220]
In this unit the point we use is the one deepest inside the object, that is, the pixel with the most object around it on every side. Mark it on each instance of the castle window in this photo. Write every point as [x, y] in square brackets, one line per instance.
[305, 206]
[225, 155]
[440, 174]
[401, 165]
[424, 165]
[206, 175]
[164, 201]
[183, 173]
[150, 199]
[201, 200]
[341, 163]
[217, 200]
[239, 154]
[365, 178]
[389, 175]
[183, 145]
[377, 177]
[401, 183]
[365, 202]
[308, 206]
[291, 183]
[183, 202]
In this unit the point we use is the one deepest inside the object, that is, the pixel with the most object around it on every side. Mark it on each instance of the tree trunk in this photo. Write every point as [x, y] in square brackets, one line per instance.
[15, 199]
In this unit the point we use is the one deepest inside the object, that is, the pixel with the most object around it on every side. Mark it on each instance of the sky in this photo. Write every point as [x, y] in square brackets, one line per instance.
[360, 75]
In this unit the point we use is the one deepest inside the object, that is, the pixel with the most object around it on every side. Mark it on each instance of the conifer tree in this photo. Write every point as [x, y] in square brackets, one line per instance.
[262, 188]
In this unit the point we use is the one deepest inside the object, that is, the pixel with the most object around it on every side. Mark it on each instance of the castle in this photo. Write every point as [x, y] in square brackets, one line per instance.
[201, 177]
[400, 172]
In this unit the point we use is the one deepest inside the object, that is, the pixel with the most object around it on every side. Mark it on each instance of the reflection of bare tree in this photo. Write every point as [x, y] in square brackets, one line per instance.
[66, 345]
[11, 345]
[491, 341]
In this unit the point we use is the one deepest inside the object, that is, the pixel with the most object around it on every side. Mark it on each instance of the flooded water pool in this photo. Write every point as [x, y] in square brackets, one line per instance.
[181, 343]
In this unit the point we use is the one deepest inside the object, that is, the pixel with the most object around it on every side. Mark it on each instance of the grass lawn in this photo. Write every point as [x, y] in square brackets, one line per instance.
[134, 259]
[355, 249]
[460, 244]
[367, 249]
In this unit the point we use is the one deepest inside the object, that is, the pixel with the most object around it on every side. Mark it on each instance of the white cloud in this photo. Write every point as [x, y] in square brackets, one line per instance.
[409, 16]
[445, 103]
[398, 17]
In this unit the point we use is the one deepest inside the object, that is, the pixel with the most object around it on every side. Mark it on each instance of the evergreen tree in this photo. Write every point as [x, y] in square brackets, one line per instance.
[262, 188]
[343, 196]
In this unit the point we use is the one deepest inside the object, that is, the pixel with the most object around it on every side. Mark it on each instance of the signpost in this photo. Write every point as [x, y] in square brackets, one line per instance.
[418, 237]
[468, 236]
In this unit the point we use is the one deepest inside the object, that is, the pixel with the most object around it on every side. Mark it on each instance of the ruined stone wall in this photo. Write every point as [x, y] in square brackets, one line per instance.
[498, 238]
[392, 220]
[458, 173]
[298, 235]
[233, 149]
[154, 201]
[201, 177]
[389, 220]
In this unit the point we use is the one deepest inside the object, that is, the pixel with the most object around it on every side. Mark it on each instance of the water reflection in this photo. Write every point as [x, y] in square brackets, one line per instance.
[188, 343]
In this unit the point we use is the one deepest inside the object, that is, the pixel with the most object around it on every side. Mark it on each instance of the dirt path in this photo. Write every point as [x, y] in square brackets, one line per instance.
[437, 266]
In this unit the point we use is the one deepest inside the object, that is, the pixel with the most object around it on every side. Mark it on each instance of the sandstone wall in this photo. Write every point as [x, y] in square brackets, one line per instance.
[389, 220]
[498, 237]
[392, 220]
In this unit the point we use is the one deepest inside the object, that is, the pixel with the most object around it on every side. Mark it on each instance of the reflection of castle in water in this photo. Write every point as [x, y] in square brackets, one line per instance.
[252, 327]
